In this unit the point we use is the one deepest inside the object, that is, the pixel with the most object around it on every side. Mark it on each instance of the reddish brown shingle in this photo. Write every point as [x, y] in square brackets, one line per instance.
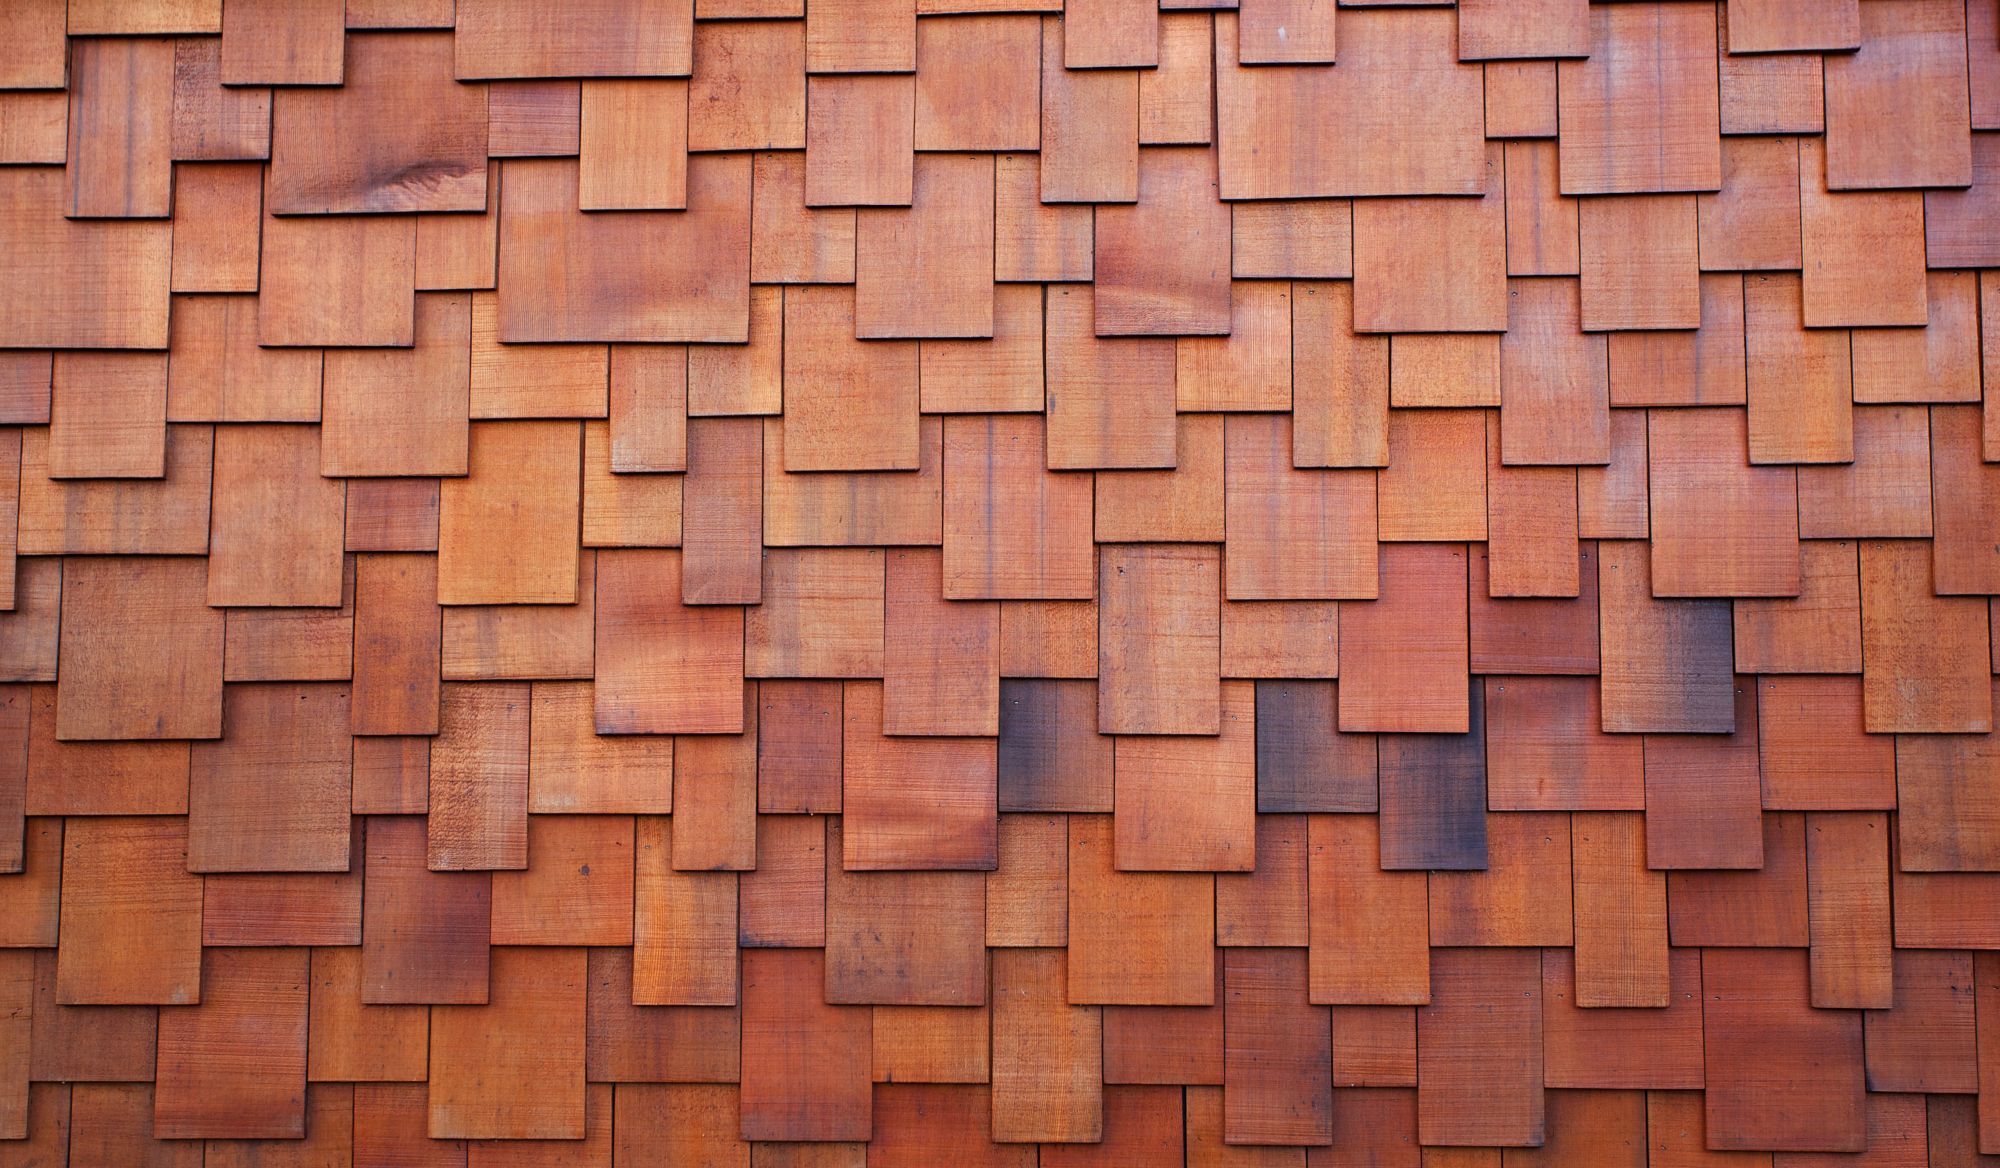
[746, 582]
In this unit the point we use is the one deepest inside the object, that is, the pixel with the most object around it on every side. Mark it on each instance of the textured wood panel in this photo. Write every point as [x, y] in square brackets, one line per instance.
[750, 582]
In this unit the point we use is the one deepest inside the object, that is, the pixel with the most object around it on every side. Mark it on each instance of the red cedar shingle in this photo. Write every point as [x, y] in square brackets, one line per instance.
[1434, 483]
[513, 1067]
[120, 129]
[398, 134]
[625, 276]
[1763, 1038]
[969, 637]
[1401, 117]
[1479, 1043]
[927, 271]
[1639, 114]
[599, 38]
[1088, 153]
[1896, 108]
[234, 1067]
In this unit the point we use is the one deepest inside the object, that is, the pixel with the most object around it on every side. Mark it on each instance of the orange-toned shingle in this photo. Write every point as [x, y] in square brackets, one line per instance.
[1177, 97]
[1752, 222]
[1144, 289]
[508, 532]
[1521, 100]
[1925, 658]
[398, 134]
[1863, 251]
[1640, 262]
[145, 651]
[748, 91]
[833, 508]
[855, 403]
[663, 666]
[527, 119]
[1403, 655]
[1721, 526]
[1755, 1015]
[275, 537]
[632, 146]
[722, 510]
[821, 615]
[1601, 1047]
[1896, 112]
[1351, 898]
[234, 1067]
[908, 938]
[1368, 135]
[131, 920]
[336, 280]
[1036, 1096]
[512, 1068]
[1190, 803]
[1111, 34]
[238, 821]
[219, 373]
[1639, 114]
[1479, 1042]
[213, 123]
[625, 276]
[1549, 28]
[927, 271]
[1433, 265]
[479, 779]
[912, 803]
[1152, 684]
[857, 133]
[1763, 26]
[1812, 751]
[1293, 534]
[77, 284]
[1769, 93]
[1274, 1044]
[1138, 938]
[1088, 154]
[598, 38]
[120, 129]
[269, 43]
[1093, 380]
[392, 515]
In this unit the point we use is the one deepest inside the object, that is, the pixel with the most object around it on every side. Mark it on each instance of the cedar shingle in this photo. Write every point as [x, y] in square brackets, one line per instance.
[513, 1067]
[1400, 116]
[596, 38]
[131, 918]
[144, 655]
[120, 129]
[1479, 1042]
[1639, 114]
[75, 283]
[398, 134]
[625, 276]
[234, 1067]
[964, 628]
[1896, 112]
[1145, 289]
[927, 271]
[1764, 1038]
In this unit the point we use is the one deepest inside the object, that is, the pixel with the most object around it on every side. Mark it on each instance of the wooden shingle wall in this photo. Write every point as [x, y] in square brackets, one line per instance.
[869, 582]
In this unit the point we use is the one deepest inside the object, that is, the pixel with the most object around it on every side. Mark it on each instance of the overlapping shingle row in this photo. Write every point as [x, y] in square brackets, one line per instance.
[765, 583]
